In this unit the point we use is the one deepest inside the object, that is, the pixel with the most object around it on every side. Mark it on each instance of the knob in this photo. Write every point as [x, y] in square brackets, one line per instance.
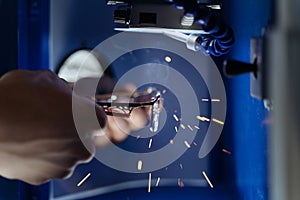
[233, 67]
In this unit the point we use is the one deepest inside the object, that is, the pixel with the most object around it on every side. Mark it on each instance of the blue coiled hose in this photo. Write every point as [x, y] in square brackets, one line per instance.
[218, 38]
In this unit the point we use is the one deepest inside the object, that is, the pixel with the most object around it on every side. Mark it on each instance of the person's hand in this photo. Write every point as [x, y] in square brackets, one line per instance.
[38, 138]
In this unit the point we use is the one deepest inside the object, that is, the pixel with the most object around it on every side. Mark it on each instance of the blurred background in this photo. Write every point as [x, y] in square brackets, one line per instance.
[257, 155]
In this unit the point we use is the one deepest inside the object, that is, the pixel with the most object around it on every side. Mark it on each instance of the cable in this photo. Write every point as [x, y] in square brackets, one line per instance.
[218, 38]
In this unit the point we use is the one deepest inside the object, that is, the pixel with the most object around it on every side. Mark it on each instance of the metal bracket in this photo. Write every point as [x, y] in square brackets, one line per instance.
[258, 79]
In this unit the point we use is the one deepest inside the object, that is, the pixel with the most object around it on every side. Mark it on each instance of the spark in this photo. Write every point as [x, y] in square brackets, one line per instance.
[196, 127]
[187, 144]
[212, 100]
[140, 165]
[175, 117]
[168, 59]
[215, 100]
[176, 129]
[150, 143]
[181, 166]
[149, 183]
[190, 127]
[84, 179]
[195, 143]
[207, 179]
[164, 91]
[218, 121]
[203, 119]
[182, 126]
[226, 151]
[171, 141]
[180, 183]
[157, 182]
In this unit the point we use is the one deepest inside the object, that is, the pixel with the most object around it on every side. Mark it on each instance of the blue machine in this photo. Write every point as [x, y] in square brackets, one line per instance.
[50, 30]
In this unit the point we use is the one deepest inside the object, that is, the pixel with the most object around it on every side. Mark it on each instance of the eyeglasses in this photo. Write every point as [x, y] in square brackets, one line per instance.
[120, 105]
